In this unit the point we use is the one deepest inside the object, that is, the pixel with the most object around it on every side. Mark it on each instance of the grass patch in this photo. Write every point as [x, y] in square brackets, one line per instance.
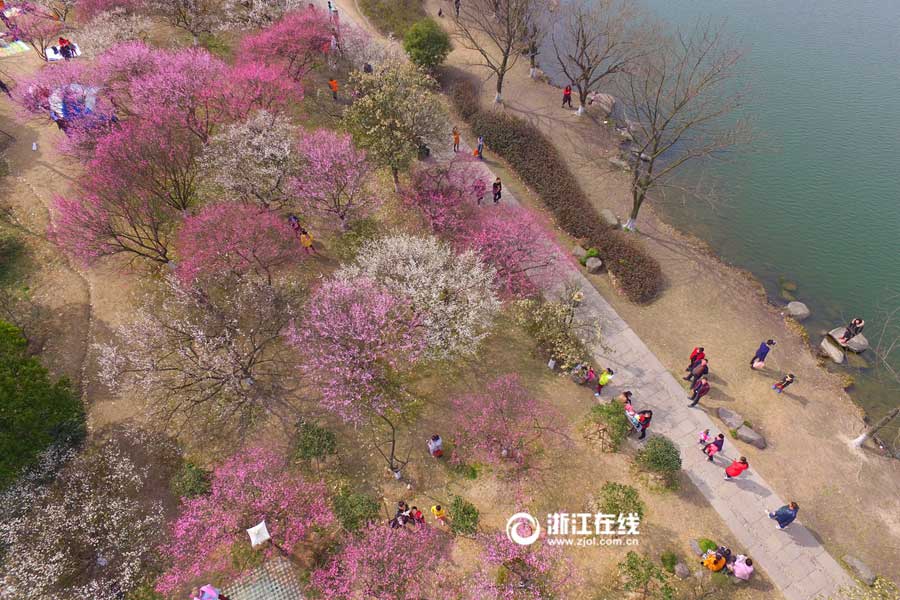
[393, 16]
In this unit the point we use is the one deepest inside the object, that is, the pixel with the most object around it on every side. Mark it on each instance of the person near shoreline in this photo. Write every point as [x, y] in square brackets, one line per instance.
[497, 189]
[698, 370]
[735, 469]
[698, 353]
[567, 96]
[479, 150]
[853, 329]
[714, 447]
[785, 381]
[785, 515]
[759, 359]
[603, 379]
[699, 389]
[456, 139]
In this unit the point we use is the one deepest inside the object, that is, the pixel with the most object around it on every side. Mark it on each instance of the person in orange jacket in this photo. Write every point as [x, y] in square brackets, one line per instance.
[333, 84]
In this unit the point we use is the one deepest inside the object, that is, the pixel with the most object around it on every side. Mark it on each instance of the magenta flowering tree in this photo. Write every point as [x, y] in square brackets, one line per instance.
[504, 423]
[257, 86]
[232, 238]
[255, 484]
[359, 342]
[37, 29]
[444, 194]
[510, 571]
[295, 43]
[332, 177]
[388, 564]
[511, 240]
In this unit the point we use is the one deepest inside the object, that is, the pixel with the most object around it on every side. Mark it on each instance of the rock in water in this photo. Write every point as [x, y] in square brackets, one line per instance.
[798, 310]
[608, 217]
[745, 434]
[830, 349]
[682, 571]
[732, 419]
[858, 343]
[860, 570]
[593, 265]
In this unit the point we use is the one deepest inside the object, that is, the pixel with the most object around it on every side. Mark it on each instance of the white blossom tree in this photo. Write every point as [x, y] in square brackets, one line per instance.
[110, 28]
[88, 534]
[452, 294]
[255, 14]
[253, 160]
[212, 356]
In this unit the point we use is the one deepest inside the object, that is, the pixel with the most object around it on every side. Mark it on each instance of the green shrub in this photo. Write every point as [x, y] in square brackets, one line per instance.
[706, 545]
[591, 253]
[427, 44]
[659, 455]
[393, 16]
[550, 325]
[619, 499]
[35, 411]
[11, 252]
[312, 442]
[353, 510]
[536, 160]
[464, 516]
[639, 573]
[465, 470]
[612, 416]
[669, 559]
[190, 481]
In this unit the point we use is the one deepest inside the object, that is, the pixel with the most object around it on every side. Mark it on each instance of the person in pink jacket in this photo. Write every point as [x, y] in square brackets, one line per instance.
[736, 468]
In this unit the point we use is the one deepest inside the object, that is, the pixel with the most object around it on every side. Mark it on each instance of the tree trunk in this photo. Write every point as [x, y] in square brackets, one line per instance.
[882, 423]
[501, 73]
[395, 173]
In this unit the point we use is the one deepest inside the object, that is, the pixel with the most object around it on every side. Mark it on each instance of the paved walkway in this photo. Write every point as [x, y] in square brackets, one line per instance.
[793, 559]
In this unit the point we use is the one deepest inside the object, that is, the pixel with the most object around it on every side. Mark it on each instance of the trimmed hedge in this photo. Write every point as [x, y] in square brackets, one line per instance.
[540, 166]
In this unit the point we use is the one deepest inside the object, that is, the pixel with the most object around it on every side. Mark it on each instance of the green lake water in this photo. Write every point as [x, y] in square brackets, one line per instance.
[817, 199]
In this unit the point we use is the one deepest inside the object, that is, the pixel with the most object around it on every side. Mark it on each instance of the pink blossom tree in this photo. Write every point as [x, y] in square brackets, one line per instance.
[332, 177]
[388, 564]
[253, 485]
[444, 194]
[37, 29]
[237, 239]
[503, 423]
[359, 342]
[295, 43]
[510, 571]
[511, 240]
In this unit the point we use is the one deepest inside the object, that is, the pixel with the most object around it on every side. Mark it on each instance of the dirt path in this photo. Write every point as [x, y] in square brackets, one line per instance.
[709, 303]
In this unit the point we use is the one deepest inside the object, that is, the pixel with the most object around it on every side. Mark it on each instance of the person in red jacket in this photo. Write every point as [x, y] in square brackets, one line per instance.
[736, 468]
[699, 389]
[567, 96]
[696, 354]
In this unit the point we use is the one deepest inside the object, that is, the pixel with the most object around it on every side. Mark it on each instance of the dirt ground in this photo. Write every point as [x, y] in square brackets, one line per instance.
[849, 499]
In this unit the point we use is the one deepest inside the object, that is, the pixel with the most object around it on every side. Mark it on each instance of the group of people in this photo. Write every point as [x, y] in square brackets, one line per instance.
[722, 560]
[407, 514]
[305, 237]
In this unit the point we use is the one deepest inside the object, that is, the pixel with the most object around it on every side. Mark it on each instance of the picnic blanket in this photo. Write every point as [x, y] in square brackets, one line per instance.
[13, 48]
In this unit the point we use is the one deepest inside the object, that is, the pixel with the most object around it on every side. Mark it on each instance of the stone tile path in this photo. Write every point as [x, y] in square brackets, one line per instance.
[793, 559]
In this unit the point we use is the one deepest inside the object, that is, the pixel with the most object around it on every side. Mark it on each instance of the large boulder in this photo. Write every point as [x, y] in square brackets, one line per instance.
[682, 571]
[579, 252]
[832, 350]
[602, 103]
[859, 569]
[745, 434]
[858, 343]
[731, 419]
[593, 265]
[619, 163]
[798, 311]
[609, 217]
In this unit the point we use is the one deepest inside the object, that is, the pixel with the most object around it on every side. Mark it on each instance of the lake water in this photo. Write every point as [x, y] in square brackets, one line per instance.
[817, 202]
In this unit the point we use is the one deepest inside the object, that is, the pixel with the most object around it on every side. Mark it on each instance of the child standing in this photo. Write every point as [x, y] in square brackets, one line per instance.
[715, 447]
[785, 381]
[439, 513]
[605, 377]
[704, 438]
[455, 139]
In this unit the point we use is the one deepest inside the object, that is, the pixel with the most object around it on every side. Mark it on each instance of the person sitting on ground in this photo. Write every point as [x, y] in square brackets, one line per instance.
[853, 329]
[785, 381]
[713, 562]
[416, 515]
[644, 417]
[436, 446]
[742, 567]
[625, 397]
[579, 373]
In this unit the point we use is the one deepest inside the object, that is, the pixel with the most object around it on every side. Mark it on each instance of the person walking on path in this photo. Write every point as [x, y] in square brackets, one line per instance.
[759, 359]
[333, 84]
[699, 389]
[704, 438]
[605, 377]
[697, 353]
[644, 417]
[698, 370]
[436, 446]
[567, 96]
[785, 515]
[715, 447]
[456, 139]
[736, 468]
[785, 381]
[497, 188]
[479, 188]
[479, 150]
[439, 513]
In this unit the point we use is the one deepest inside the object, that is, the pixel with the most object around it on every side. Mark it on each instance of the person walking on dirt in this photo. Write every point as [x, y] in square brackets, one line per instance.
[333, 84]
[699, 389]
[697, 353]
[497, 188]
[567, 96]
[785, 381]
[5, 89]
[736, 468]
[479, 150]
[785, 515]
[456, 139]
[456, 6]
[761, 353]
[698, 370]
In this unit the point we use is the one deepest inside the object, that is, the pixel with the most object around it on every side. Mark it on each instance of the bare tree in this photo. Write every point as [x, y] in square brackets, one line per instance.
[885, 350]
[500, 31]
[197, 17]
[594, 39]
[678, 99]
